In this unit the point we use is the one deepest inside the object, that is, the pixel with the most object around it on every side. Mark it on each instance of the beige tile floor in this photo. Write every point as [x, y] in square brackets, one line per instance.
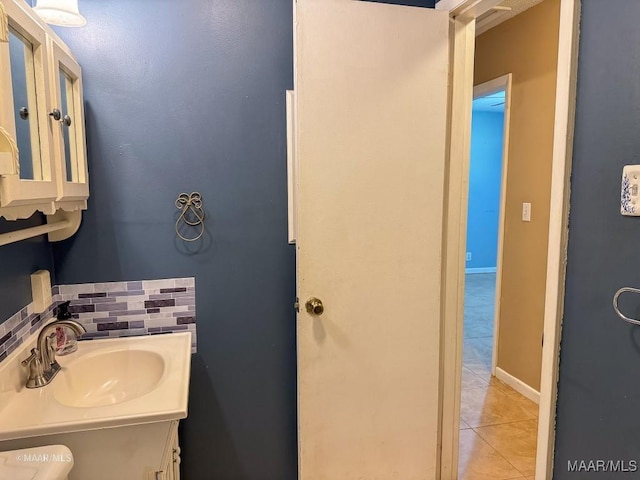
[497, 424]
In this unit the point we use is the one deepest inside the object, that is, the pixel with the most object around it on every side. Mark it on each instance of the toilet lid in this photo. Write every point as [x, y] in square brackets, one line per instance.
[15, 472]
[53, 462]
[9, 472]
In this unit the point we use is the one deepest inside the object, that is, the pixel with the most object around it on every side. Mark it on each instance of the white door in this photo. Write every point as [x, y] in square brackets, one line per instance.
[371, 103]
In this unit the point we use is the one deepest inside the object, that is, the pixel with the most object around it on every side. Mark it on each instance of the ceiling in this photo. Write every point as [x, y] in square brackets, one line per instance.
[493, 103]
[504, 11]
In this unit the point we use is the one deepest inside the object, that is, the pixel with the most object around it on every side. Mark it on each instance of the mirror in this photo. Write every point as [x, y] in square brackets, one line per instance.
[68, 127]
[23, 77]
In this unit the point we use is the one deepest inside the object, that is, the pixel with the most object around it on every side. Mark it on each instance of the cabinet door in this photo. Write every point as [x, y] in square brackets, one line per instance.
[68, 131]
[24, 86]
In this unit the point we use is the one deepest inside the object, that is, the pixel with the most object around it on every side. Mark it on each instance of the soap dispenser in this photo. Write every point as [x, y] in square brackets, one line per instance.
[66, 341]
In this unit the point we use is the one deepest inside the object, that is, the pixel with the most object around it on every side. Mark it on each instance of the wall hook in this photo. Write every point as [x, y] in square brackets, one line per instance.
[633, 321]
[191, 214]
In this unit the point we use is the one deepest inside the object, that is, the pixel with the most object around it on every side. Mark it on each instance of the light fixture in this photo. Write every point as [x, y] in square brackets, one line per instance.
[63, 13]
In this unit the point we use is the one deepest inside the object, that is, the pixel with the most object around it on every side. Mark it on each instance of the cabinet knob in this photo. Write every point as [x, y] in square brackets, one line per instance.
[24, 113]
[66, 120]
[55, 113]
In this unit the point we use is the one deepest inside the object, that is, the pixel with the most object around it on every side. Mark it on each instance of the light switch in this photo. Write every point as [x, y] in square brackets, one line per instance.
[526, 212]
[629, 198]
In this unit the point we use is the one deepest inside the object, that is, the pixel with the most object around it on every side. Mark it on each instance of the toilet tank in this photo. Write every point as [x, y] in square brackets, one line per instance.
[53, 462]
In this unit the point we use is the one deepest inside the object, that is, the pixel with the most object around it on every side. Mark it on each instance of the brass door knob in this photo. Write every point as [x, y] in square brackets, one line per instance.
[314, 306]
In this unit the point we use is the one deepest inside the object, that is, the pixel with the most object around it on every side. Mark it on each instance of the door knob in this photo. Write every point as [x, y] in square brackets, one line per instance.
[314, 306]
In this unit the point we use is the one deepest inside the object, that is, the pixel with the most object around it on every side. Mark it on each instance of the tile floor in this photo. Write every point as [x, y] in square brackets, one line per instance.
[498, 426]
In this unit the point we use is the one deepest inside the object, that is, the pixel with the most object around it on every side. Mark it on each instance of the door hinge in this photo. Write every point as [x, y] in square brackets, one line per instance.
[296, 305]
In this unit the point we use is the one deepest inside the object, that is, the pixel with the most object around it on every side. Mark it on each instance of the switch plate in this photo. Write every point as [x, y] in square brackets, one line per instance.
[526, 212]
[468, 256]
[41, 290]
[629, 195]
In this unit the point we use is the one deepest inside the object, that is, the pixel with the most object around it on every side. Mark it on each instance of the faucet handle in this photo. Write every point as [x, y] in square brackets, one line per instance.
[36, 372]
[34, 354]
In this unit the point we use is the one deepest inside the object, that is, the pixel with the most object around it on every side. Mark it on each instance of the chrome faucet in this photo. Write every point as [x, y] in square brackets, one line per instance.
[42, 364]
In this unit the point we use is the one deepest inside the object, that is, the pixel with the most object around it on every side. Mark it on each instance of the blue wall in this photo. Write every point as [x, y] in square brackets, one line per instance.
[17, 262]
[599, 391]
[485, 178]
[185, 96]
[192, 98]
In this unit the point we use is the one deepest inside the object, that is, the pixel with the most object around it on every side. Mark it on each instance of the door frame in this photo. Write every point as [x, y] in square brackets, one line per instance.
[463, 14]
[566, 88]
[482, 90]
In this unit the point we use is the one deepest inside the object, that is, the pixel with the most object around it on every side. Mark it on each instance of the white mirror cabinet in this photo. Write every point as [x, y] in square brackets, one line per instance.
[43, 160]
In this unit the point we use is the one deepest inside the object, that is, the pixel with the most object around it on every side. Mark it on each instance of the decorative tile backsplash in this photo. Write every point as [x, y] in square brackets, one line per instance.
[120, 309]
[20, 326]
[113, 309]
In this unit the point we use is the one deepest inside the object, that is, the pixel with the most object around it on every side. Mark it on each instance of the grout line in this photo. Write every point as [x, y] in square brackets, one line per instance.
[488, 384]
[500, 454]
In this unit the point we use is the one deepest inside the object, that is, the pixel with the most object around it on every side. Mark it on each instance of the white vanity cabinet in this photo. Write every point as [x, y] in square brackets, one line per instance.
[42, 141]
[171, 458]
[136, 452]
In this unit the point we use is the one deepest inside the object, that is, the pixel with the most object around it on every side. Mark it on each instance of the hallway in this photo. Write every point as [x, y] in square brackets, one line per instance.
[498, 426]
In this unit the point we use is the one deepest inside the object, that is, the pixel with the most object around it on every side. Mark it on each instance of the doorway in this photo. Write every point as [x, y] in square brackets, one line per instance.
[485, 224]
[498, 425]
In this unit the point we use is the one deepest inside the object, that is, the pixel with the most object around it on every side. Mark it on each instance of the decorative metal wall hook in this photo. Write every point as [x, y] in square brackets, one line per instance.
[633, 321]
[191, 213]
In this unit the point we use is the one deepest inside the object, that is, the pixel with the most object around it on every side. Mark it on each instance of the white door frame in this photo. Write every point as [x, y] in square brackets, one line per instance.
[482, 90]
[566, 86]
[463, 15]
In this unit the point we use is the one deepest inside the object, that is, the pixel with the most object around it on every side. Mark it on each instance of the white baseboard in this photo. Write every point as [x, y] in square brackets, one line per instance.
[481, 270]
[518, 385]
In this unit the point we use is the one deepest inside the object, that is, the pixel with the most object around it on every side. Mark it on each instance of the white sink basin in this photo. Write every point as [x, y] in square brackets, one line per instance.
[107, 383]
[108, 377]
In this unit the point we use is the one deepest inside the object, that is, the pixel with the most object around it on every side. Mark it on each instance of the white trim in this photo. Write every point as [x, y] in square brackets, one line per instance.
[558, 230]
[488, 88]
[468, 9]
[518, 385]
[473, 271]
[495, 18]
[493, 86]
[291, 166]
[454, 240]
[449, 5]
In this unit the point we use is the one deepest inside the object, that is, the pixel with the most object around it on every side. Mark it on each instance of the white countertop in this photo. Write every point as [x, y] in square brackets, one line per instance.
[33, 412]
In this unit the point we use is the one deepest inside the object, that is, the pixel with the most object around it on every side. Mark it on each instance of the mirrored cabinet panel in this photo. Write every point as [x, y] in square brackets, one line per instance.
[25, 106]
[24, 86]
[43, 161]
[68, 131]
